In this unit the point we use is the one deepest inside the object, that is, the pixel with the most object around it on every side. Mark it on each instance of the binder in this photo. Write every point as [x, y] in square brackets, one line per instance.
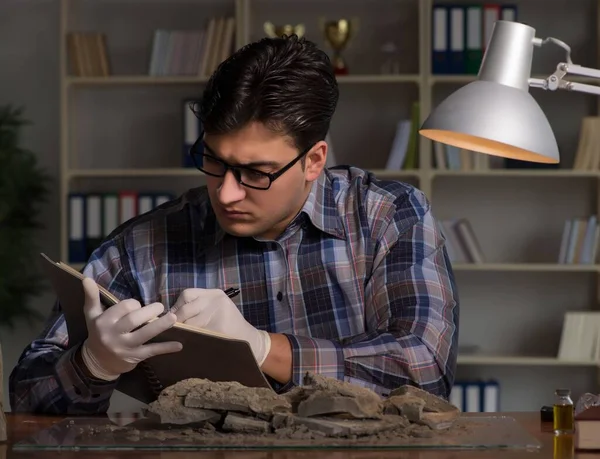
[491, 14]
[457, 396]
[457, 40]
[508, 13]
[192, 129]
[127, 205]
[146, 203]
[77, 230]
[491, 396]
[473, 39]
[110, 213]
[440, 51]
[93, 223]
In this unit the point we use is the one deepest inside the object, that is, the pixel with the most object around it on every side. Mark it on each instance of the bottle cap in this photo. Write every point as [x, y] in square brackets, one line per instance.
[563, 392]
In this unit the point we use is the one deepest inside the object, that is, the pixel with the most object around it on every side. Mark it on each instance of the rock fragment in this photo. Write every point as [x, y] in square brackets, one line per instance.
[245, 425]
[321, 396]
[437, 413]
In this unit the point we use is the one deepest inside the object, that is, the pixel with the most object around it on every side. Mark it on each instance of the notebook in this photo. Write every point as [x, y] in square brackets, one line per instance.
[205, 354]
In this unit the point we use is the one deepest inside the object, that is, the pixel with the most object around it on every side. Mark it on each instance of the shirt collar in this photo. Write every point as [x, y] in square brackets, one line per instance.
[320, 208]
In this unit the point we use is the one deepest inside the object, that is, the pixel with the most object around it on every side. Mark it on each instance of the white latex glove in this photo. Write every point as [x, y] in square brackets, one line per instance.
[112, 347]
[212, 309]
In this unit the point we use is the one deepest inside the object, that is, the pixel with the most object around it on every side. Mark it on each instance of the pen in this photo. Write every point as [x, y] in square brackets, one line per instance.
[232, 292]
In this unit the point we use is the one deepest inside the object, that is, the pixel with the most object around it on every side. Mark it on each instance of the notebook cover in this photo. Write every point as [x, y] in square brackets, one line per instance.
[203, 355]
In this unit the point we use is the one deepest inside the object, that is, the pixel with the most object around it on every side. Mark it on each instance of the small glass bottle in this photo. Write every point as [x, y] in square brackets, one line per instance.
[564, 412]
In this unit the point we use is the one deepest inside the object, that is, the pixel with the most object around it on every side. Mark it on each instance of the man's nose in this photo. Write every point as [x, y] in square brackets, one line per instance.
[230, 190]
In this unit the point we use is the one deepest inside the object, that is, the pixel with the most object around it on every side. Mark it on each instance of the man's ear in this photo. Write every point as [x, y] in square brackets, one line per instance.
[315, 161]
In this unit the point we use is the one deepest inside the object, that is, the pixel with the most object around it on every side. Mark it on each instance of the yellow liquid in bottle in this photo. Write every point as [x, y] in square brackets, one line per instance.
[564, 447]
[564, 418]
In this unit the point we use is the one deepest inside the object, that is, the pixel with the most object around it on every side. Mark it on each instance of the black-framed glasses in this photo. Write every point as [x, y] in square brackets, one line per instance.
[207, 162]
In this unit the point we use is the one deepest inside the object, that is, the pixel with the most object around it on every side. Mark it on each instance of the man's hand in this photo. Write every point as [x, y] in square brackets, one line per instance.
[112, 347]
[213, 310]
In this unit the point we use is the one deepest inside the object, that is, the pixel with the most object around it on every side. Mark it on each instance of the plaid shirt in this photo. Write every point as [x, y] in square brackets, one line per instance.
[359, 282]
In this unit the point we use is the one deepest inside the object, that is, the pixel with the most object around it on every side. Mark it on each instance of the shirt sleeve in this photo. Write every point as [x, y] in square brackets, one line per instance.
[48, 378]
[411, 309]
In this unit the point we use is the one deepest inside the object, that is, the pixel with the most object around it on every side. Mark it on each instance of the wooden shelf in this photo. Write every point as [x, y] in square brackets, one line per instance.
[382, 173]
[370, 79]
[518, 360]
[120, 80]
[166, 172]
[441, 79]
[524, 173]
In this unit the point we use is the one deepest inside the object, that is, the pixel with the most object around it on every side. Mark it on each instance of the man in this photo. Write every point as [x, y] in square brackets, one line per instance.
[339, 273]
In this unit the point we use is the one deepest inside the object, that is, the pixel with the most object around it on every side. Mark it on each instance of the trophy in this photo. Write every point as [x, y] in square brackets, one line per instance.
[287, 29]
[338, 33]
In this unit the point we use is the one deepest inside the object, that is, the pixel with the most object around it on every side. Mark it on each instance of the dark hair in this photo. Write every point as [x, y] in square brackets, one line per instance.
[287, 83]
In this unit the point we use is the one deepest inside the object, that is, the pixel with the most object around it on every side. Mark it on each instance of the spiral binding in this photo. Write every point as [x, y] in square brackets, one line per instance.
[151, 377]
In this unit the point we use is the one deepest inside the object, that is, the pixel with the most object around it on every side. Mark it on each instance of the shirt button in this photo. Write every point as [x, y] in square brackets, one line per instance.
[279, 296]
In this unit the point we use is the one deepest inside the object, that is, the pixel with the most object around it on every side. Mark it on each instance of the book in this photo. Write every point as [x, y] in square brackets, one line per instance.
[587, 429]
[205, 354]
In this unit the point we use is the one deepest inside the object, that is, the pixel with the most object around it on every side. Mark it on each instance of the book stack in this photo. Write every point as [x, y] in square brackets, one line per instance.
[461, 34]
[587, 157]
[579, 242]
[449, 157]
[476, 396]
[580, 338]
[87, 53]
[192, 52]
[93, 216]
[404, 153]
[461, 243]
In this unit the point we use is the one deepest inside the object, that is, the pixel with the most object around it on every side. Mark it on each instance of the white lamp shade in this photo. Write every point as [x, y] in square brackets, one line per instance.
[495, 119]
[496, 114]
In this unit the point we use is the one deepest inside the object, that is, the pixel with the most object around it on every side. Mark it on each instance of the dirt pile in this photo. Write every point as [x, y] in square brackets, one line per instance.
[321, 409]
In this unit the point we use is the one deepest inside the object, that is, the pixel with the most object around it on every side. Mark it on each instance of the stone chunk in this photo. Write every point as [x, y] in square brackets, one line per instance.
[351, 407]
[230, 396]
[433, 403]
[321, 396]
[407, 405]
[332, 427]
[170, 410]
[437, 413]
[245, 425]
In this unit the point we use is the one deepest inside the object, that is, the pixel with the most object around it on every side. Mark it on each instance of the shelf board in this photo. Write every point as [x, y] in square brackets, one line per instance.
[185, 172]
[406, 78]
[522, 360]
[435, 79]
[380, 173]
[166, 172]
[120, 80]
[532, 267]
[391, 173]
[525, 173]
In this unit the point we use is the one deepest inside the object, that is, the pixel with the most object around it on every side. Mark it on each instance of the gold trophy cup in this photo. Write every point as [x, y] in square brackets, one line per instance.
[338, 33]
[274, 31]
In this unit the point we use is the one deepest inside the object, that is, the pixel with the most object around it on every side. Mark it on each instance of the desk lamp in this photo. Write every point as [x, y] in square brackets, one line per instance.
[495, 114]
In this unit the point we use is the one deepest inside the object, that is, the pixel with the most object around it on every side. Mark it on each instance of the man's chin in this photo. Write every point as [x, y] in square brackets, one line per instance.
[239, 229]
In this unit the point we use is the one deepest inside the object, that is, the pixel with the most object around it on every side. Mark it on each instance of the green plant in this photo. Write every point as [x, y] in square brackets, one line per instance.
[23, 188]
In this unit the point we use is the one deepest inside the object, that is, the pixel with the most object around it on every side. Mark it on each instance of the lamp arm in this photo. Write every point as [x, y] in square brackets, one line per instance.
[556, 80]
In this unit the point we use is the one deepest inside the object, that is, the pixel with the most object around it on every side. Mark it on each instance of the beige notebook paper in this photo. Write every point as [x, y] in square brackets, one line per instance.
[205, 354]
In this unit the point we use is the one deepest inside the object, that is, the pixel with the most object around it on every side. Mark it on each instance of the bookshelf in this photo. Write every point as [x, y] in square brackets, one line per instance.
[123, 131]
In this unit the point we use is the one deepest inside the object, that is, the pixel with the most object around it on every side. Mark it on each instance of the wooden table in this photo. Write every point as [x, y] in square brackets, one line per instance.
[21, 426]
